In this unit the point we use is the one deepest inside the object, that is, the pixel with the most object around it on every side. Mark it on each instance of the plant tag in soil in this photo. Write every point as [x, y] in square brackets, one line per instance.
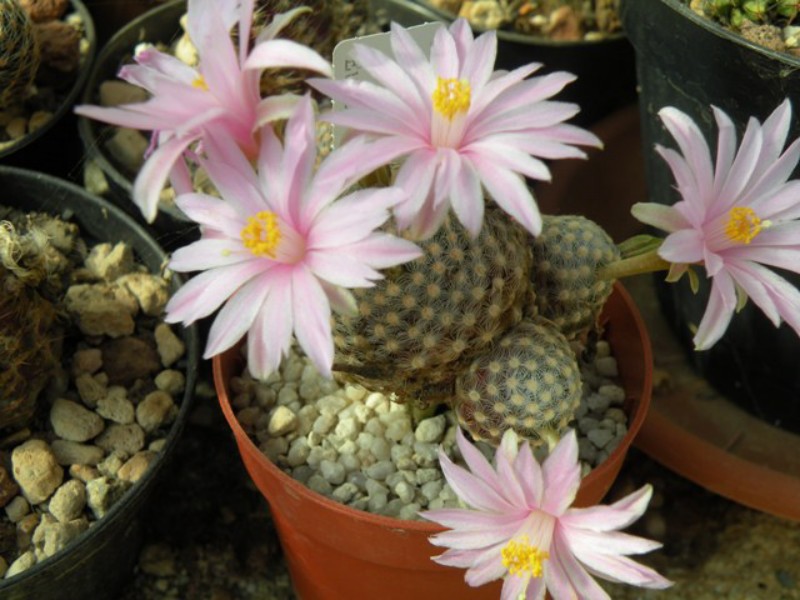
[346, 67]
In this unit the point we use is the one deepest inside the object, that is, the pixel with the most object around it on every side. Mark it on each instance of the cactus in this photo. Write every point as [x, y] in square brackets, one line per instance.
[566, 258]
[31, 280]
[19, 52]
[429, 318]
[529, 381]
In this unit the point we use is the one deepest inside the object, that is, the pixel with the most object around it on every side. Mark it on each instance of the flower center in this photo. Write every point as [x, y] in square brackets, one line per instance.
[262, 235]
[744, 225]
[200, 83]
[521, 558]
[451, 97]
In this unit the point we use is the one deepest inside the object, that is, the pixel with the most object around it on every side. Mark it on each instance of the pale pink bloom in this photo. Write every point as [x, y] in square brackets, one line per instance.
[458, 125]
[734, 216]
[520, 526]
[279, 250]
[221, 95]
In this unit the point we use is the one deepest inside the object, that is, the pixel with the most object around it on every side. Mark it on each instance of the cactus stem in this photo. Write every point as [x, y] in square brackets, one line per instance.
[649, 262]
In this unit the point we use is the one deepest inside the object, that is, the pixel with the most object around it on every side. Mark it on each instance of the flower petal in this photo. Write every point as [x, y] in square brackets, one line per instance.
[312, 313]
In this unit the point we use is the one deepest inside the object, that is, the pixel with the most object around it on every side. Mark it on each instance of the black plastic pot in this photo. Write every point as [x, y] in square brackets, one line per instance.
[605, 68]
[691, 63]
[54, 147]
[101, 560]
[160, 24]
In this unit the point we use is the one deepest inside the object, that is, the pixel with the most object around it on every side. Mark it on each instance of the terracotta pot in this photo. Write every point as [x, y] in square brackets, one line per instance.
[334, 551]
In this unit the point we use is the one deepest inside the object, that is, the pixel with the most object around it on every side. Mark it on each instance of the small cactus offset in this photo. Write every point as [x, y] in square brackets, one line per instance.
[423, 323]
[19, 52]
[529, 381]
[566, 259]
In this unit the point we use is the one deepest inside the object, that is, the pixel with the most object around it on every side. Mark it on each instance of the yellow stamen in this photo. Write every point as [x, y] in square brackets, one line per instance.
[200, 83]
[744, 225]
[262, 235]
[451, 97]
[520, 558]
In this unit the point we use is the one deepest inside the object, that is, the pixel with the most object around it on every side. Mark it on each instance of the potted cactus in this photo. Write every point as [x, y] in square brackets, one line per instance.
[404, 310]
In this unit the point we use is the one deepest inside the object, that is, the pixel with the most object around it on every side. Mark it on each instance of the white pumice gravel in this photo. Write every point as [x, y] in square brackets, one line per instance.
[359, 448]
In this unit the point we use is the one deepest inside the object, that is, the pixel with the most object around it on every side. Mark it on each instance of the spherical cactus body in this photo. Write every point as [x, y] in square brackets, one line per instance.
[566, 258]
[429, 318]
[529, 382]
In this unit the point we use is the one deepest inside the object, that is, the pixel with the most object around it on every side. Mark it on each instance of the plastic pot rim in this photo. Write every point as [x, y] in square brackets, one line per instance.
[718, 30]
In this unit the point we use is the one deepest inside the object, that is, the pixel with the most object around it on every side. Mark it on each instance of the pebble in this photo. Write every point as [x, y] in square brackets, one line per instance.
[102, 493]
[431, 430]
[170, 381]
[115, 406]
[128, 439]
[136, 466]
[90, 389]
[73, 422]
[72, 453]
[24, 562]
[36, 470]
[68, 501]
[155, 410]
[89, 361]
[17, 509]
[600, 437]
[107, 262]
[170, 346]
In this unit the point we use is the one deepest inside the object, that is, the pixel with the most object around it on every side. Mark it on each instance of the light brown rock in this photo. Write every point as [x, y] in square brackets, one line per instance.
[36, 470]
[73, 422]
[170, 346]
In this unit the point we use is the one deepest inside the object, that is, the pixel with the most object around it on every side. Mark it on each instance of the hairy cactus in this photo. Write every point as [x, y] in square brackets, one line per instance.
[31, 271]
[529, 382]
[19, 52]
[429, 318]
[566, 258]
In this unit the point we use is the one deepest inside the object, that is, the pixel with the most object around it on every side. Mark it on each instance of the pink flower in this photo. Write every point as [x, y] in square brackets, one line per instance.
[734, 217]
[220, 96]
[280, 250]
[521, 526]
[459, 125]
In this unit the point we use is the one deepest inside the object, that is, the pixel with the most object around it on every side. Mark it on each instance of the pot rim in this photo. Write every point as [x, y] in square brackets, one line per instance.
[294, 487]
[719, 31]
